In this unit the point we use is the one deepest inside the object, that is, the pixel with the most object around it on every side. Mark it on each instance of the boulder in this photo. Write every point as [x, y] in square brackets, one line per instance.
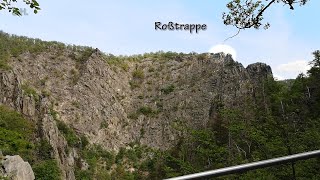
[15, 168]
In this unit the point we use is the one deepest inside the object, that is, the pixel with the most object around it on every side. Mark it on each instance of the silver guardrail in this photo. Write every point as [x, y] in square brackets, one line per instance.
[249, 166]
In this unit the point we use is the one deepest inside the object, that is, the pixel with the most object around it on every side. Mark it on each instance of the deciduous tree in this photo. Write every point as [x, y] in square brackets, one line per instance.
[11, 6]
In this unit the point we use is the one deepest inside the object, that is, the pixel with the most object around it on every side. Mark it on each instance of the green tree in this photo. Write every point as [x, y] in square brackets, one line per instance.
[315, 69]
[313, 87]
[11, 6]
[244, 14]
[47, 170]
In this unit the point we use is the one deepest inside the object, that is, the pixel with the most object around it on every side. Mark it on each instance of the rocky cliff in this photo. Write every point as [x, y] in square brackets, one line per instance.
[114, 101]
[15, 168]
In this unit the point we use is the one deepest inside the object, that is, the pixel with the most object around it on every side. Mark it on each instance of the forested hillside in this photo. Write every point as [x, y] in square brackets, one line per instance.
[74, 112]
[286, 121]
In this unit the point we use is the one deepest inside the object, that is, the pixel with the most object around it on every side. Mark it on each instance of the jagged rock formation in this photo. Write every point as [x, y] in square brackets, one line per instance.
[14, 168]
[114, 106]
[11, 94]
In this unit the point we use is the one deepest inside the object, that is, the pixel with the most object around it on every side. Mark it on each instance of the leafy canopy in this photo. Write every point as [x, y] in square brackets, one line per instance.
[11, 6]
[245, 14]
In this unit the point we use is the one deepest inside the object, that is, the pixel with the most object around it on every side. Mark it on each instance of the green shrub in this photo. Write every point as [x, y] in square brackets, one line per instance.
[83, 174]
[16, 134]
[168, 89]
[134, 84]
[84, 141]
[133, 115]
[68, 133]
[44, 150]
[202, 57]
[169, 55]
[151, 69]
[3, 178]
[103, 175]
[139, 74]
[45, 93]
[12, 143]
[75, 104]
[53, 113]
[75, 76]
[103, 124]
[124, 66]
[4, 64]
[119, 61]
[43, 81]
[47, 170]
[84, 54]
[95, 156]
[145, 110]
[14, 121]
[28, 90]
[142, 132]
[121, 173]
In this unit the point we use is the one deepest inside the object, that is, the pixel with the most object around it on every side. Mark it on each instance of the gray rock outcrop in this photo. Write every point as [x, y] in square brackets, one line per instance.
[112, 108]
[14, 168]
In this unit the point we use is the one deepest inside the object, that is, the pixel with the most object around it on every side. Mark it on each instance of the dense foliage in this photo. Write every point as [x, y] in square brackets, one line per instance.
[17, 137]
[282, 119]
[10, 5]
[15, 133]
[106, 165]
[249, 14]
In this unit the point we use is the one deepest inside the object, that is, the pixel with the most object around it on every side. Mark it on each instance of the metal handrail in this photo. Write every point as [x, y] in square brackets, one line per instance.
[250, 166]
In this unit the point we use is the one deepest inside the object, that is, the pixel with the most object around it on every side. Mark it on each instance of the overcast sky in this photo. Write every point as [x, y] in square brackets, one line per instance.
[127, 27]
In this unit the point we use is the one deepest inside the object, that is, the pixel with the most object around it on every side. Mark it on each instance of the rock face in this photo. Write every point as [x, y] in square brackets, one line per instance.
[14, 168]
[259, 70]
[114, 105]
[13, 95]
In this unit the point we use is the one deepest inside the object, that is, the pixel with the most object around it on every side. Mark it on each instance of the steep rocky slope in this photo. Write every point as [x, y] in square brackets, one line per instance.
[114, 101]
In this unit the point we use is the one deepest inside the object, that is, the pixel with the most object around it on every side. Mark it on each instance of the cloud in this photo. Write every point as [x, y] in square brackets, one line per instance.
[294, 67]
[291, 69]
[225, 49]
[277, 77]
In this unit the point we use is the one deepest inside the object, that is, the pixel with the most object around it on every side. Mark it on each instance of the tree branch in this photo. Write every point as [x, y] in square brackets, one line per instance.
[261, 12]
[232, 36]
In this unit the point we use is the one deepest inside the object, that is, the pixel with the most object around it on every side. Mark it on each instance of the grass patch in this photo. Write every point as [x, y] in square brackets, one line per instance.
[28, 90]
[168, 89]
